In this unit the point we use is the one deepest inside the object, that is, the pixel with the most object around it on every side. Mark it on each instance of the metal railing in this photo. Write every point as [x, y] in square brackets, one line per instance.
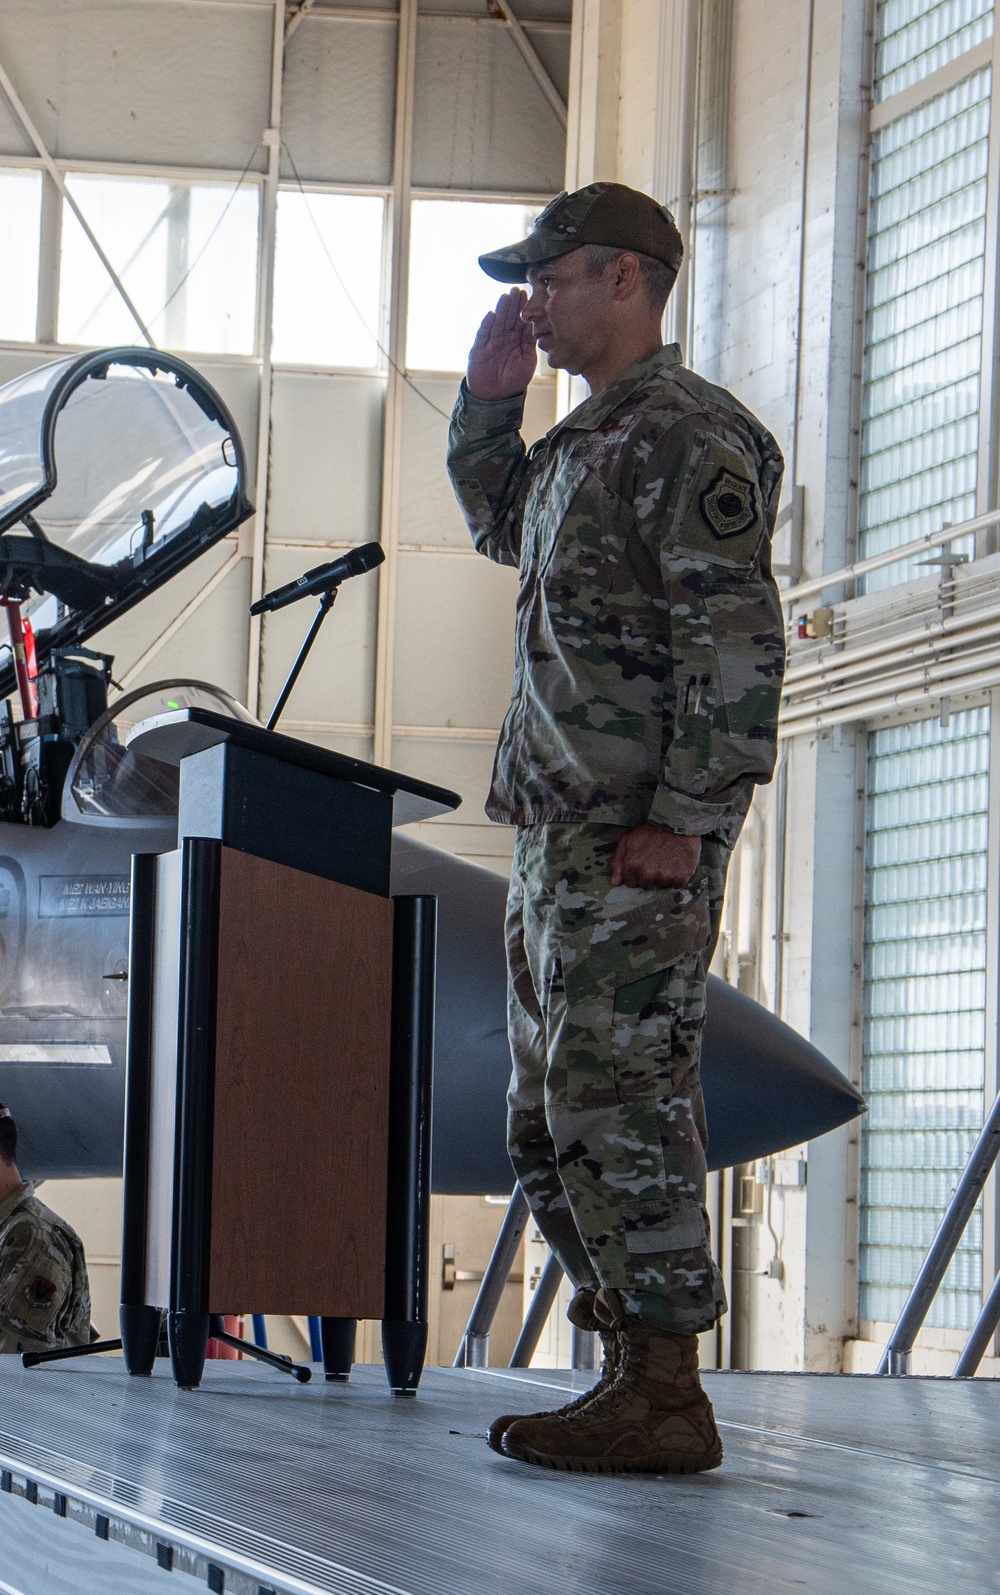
[898, 1353]
[889, 556]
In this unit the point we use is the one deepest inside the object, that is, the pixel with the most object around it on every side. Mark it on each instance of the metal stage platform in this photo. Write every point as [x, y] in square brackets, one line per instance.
[835, 1486]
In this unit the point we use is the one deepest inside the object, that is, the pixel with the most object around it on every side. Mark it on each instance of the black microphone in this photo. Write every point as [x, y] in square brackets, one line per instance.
[322, 577]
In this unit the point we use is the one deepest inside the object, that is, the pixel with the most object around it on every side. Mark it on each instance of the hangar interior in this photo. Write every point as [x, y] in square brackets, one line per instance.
[292, 196]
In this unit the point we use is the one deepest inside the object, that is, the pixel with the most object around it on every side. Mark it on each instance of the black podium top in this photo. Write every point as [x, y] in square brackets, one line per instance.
[172, 737]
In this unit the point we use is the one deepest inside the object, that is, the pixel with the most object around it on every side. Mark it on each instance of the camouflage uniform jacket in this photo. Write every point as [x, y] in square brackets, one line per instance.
[44, 1292]
[649, 640]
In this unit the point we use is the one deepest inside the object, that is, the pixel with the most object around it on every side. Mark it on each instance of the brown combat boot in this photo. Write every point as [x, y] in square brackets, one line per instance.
[654, 1418]
[580, 1313]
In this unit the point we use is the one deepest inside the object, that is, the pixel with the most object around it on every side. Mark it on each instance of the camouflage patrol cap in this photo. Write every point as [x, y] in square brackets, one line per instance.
[601, 213]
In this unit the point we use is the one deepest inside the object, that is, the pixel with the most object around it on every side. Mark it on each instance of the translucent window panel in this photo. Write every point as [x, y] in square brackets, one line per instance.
[328, 279]
[915, 37]
[924, 1006]
[923, 323]
[185, 252]
[20, 224]
[449, 291]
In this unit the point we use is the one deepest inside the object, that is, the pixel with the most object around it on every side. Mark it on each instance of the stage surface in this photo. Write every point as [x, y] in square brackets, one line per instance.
[834, 1486]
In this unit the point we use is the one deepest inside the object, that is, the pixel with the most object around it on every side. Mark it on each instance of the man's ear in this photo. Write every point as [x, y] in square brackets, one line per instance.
[628, 276]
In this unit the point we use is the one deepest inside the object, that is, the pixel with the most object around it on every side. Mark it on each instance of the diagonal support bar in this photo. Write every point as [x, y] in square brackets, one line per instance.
[474, 1352]
[532, 60]
[943, 1247]
[21, 112]
[293, 19]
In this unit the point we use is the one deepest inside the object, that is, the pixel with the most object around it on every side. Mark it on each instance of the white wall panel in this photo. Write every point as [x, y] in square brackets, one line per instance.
[454, 640]
[326, 440]
[337, 683]
[429, 511]
[238, 385]
[337, 104]
[349, 744]
[211, 645]
[463, 767]
[480, 118]
[137, 80]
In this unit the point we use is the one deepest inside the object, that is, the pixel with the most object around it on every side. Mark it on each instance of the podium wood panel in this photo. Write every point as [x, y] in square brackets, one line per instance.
[301, 1094]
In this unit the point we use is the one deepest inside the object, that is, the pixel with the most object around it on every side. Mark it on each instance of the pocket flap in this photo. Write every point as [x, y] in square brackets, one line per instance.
[633, 939]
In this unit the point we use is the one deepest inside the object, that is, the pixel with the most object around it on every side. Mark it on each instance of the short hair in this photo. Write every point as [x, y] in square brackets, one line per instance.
[657, 277]
[8, 1136]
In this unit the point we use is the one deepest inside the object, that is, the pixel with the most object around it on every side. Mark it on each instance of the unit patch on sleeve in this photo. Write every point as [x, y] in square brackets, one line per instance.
[729, 505]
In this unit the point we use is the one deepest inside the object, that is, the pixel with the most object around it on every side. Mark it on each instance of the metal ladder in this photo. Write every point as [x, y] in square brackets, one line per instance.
[898, 1352]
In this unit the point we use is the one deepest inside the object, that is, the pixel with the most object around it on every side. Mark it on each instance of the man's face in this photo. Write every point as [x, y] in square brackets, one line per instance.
[569, 310]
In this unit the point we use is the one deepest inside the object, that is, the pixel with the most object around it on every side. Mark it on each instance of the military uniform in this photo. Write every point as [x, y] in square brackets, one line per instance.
[44, 1291]
[648, 664]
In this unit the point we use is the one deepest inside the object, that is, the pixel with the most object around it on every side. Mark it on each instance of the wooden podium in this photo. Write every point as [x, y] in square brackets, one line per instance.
[280, 1035]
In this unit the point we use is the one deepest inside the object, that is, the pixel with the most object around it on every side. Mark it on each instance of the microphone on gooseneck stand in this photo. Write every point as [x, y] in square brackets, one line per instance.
[322, 577]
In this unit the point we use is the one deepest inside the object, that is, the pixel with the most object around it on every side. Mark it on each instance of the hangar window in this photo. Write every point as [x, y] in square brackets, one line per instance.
[926, 871]
[915, 37]
[20, 221]
[923, 323]
[328, 279]
[186, 254]
[449, 292]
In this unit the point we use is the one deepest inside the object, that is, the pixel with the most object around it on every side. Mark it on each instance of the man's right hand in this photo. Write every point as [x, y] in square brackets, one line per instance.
[502, 360]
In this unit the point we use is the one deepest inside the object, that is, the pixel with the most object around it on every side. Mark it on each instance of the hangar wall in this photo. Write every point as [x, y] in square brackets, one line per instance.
[839, 183]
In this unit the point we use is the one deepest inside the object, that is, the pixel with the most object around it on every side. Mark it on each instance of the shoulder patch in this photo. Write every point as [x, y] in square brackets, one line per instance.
[728, 506]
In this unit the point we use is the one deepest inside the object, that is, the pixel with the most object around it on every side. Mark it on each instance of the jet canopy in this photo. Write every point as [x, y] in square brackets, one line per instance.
[117, 468]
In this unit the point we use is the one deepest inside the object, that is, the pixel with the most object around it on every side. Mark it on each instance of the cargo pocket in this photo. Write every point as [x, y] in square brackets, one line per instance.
[629, 946]
[673, 1221]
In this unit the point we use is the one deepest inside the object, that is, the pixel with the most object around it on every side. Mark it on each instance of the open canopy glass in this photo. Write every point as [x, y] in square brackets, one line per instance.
[117, 468]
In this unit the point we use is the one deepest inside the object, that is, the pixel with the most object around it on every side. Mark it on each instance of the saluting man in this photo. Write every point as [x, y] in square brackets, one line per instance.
[648, 665]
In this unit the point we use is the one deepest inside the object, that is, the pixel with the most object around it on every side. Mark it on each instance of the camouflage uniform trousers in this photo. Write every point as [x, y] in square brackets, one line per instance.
[606, 1122]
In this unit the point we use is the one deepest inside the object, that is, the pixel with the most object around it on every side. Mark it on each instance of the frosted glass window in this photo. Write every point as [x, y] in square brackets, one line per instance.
[185, 252]
[915, 37]
[923, 325]
[924, 1006]
[20, 224]
[328, 279]
[449, 291]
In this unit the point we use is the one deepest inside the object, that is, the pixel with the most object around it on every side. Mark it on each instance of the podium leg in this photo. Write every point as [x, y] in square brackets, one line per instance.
[403, 1347]
[187, 1333]
[140, 1332]
[404, 1317]
[338, 1336]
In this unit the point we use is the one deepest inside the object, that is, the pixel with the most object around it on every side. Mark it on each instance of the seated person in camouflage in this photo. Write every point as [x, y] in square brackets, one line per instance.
[649, 651]
[44, 1291]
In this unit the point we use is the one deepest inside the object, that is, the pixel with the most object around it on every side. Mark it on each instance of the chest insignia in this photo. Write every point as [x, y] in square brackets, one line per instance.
[728, 506]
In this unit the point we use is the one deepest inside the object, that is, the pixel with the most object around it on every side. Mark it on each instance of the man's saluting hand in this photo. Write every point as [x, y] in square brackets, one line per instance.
[502, 360]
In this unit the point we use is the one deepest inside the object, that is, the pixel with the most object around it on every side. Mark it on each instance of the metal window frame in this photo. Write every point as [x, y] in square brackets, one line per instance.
[881, 115]
[988, 698]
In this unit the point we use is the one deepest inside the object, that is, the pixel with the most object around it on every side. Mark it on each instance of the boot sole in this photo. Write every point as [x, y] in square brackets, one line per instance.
[666, 1462]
